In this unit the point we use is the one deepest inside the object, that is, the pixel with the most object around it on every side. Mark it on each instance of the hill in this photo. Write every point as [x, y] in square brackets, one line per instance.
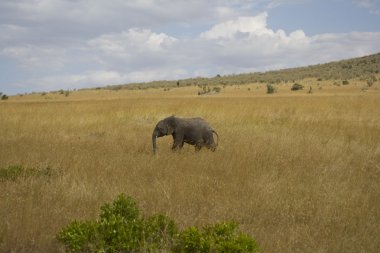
[362, 68]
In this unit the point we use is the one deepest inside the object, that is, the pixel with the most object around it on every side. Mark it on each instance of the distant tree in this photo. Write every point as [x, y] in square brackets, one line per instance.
[270, 89]
[297, 86]
[371, 81]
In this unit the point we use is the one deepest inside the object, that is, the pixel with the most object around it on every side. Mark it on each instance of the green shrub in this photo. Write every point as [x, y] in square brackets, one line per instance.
[297, 86]
[11, 173]
[208, 90]
[221, 237]
[79, 237]
[270, 89]
[160, 231]
[371, 80]
[345, 82]
[216, 89]
[121, 228]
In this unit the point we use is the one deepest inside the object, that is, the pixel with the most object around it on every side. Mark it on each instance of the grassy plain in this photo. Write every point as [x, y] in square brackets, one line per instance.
[299, 172]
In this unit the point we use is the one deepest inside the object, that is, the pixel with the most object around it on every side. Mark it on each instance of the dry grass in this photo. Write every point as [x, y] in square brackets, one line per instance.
[299, 172]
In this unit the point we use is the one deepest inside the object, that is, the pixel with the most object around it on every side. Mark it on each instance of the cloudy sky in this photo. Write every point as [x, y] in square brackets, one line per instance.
[49, 45]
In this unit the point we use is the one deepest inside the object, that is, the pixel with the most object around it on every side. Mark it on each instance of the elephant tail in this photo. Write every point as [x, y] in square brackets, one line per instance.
[217, 137]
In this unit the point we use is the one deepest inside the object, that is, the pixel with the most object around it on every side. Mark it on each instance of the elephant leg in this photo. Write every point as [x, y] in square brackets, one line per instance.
[176, 146]
[198, 146]
[210, 143]
[211, 146]
[178, 143]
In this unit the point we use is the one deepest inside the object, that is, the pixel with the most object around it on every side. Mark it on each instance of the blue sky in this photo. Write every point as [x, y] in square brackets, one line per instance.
[49, 45]
[316, 17]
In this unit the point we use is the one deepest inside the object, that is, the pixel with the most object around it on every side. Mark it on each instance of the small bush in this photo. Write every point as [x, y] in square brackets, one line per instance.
[4, 97]
[121, 228]
[11, 173]
[297, 86]
[216, 89]
[209, 91]
[371, 80]
[221, 237]
[345, 82]
[270, 89]
[79, 237]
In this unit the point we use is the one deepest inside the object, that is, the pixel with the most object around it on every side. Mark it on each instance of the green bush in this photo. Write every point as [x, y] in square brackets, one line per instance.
[12, 173]
[121, 228]
[270, 89]
[79, 237]
[216, 89]
[371, 80]
[221, 237]
[297, 86]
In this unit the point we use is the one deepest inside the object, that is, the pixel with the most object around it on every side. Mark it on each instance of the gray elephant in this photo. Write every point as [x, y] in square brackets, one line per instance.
[194, 131]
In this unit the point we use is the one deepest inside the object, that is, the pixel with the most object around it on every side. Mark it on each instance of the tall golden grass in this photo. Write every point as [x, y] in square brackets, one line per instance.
[299, 172]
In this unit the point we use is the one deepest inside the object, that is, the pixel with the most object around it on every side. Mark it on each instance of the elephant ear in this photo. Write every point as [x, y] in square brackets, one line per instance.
[170, 124]
[170, 129]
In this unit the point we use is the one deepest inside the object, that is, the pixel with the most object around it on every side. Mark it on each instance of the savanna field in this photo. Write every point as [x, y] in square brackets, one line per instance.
[298, 172]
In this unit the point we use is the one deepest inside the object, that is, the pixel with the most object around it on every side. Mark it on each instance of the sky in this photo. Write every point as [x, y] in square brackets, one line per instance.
[48, 45]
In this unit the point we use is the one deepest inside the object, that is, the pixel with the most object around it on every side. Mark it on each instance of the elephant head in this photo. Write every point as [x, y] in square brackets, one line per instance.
[163, 127]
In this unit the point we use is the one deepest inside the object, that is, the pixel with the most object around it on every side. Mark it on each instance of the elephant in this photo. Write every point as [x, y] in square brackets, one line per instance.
[193, 131]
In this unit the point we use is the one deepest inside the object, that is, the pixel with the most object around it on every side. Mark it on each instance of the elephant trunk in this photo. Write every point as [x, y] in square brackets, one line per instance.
[154, 139]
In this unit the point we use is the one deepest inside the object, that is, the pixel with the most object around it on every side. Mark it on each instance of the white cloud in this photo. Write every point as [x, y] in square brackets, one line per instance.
[247, 42]
[33, 57]
[251, 25]
[251, 36]
[133, 39]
